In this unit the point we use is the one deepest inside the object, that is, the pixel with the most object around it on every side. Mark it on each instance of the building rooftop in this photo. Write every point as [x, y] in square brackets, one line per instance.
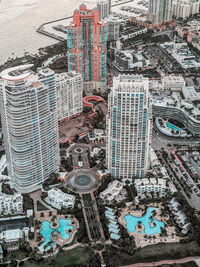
[190, 93]
[16, 73]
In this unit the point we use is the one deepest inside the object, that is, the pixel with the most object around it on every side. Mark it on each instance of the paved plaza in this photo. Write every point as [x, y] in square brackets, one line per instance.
[82, 181]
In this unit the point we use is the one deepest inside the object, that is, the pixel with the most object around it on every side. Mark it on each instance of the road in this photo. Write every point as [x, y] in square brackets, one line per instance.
[157, 144]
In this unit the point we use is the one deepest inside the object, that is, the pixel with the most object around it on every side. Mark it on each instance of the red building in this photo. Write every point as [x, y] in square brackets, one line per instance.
[86, 39]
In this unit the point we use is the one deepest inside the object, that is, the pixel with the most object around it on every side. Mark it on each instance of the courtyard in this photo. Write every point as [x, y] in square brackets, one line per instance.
[148, 225]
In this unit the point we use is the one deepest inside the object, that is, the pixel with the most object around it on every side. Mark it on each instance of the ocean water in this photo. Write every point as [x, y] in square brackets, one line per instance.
[19, 20]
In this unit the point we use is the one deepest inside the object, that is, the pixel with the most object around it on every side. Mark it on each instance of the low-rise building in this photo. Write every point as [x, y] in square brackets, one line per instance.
[179, 215]
[113, 190]
[148, 185]
[190, 94]
[11, 204]
[113, 227]
[129, 60]
[12, 237]
[177, 108]
[59, 199]
[14, 229]
[97, 135]
[134, 34]
[182, 54]
[172, 82]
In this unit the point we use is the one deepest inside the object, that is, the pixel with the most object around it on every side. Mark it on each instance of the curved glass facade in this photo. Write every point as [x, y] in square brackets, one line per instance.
[30, 128]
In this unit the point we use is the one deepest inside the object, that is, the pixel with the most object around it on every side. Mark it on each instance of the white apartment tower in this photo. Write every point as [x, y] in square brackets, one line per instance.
[104, 7]
[160, 11]
[69, 88]
[129, 127]
[30, 125]
[185, 8]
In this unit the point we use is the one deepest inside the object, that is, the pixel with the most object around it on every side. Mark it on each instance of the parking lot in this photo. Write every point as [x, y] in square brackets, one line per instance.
[163, 59]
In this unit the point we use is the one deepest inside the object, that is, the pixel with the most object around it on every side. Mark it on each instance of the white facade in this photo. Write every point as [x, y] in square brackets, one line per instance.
[182, 54]
[190, 94]
[103, 7]
[150, 185]
[179, 109]
[14, 236]
[185, 8]
[30, 125]
[129, 127]
[59, 199]
[173, 82]
[97, 135]
[69, 87]
[133, 34]
[11, 204]
[160, 11]
[112, 191]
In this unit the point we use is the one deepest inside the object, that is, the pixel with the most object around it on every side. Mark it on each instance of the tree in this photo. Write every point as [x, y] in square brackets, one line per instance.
[76, 138]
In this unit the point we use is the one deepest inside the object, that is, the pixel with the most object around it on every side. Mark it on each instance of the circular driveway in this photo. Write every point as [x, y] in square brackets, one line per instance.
[82, 181]
[78, 149]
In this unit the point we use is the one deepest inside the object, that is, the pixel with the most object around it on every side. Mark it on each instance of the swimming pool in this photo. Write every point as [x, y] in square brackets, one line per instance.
[173, 127]
[132, 222]
[47, 231]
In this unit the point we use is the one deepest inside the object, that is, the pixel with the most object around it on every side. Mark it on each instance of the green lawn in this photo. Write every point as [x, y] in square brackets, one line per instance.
[162, 249]
[75, 256]
[17, 254]
[40, 206]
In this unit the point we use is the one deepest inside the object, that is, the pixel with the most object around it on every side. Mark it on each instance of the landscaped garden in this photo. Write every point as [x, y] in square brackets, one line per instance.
[80, 256]
[53, 232]
[148, 225]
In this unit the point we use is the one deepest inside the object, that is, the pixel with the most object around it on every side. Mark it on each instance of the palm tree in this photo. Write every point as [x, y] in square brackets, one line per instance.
[151, 219]
[154, 212]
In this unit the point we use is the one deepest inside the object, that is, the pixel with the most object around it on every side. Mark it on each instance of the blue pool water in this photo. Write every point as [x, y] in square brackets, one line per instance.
[139, 232]
[173, 127]
[132, 221]
[47, 230]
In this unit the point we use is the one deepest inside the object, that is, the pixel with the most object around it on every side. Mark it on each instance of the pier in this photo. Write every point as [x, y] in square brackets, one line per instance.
[60, 38]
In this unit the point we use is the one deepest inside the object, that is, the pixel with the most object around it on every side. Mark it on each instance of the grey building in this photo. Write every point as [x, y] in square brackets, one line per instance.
[30, 125]
[160, 11]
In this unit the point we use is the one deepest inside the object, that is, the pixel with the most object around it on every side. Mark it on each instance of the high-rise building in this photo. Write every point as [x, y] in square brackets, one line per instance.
[69, 88]
[160, 11]
[109, 6]
[185, 8]
[30, 125]
[113, 28]
[87, 38]
[128, 127]
[103, 7]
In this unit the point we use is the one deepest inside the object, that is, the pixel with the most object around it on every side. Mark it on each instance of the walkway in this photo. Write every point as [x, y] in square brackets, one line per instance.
[158, 263]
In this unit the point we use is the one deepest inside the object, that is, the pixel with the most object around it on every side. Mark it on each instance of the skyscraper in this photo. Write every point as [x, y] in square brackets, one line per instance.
[86, 39]
[69, 88]
[128, 127]
[160, 11]
[185, 8]
[104, 8]
[30, 126]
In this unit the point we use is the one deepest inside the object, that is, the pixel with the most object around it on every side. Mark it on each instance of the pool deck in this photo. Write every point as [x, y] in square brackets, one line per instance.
[59, 241]
[140, 239]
